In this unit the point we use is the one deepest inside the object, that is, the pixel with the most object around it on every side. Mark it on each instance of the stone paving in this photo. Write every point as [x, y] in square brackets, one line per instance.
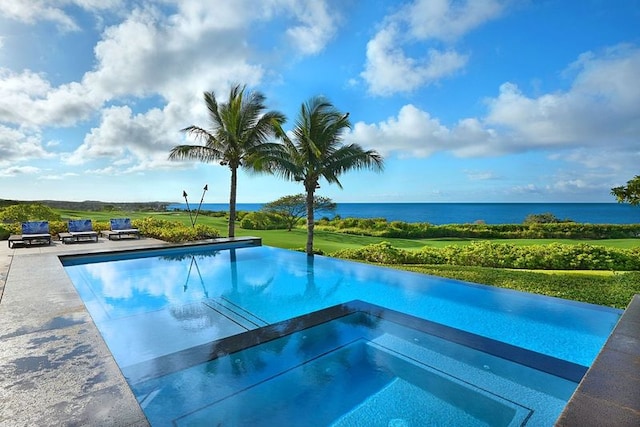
[55, 369]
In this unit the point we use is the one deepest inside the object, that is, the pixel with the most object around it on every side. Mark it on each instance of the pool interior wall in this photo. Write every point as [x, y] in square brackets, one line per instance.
[579, 369]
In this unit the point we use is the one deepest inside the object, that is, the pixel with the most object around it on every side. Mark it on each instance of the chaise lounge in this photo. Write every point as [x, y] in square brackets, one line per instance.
[33, 232]
[79, 230]
[121, 227]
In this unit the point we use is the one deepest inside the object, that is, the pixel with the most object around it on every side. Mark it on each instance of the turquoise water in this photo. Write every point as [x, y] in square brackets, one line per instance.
[355, 371]
[157, 305]
[464, 213]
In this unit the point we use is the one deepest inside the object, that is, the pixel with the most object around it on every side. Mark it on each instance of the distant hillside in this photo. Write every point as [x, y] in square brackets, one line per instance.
[93, 205]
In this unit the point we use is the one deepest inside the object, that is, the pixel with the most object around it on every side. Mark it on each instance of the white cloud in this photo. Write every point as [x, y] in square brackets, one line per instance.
[447, 19]
[17, 145]
[389, 67]
[476, 175]
[601, 109]
[318, 25]
[27, 99]
[137, 141]
[389, 70]
[58, 177]
[414, 133]
[33, 11]
[13, 171]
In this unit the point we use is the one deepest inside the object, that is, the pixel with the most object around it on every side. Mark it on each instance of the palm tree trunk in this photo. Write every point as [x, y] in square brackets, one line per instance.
[232, 202]
[310, 221]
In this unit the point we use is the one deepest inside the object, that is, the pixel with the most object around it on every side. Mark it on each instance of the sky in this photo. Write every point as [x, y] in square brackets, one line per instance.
[466, 100]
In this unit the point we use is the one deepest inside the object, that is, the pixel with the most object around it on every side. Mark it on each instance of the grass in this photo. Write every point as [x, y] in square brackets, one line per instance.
[603, 288]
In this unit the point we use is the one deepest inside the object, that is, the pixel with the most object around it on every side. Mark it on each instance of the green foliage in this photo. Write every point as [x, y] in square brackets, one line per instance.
[28, 212]
[380, 227]
[174, 231]
[629, 193]
[263, 221]
[555, 256]
[293, 208]
[4, 233]
[544, 218]
[218, 214]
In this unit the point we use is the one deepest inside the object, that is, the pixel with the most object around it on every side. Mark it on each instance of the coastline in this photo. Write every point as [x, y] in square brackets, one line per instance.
[438, 213]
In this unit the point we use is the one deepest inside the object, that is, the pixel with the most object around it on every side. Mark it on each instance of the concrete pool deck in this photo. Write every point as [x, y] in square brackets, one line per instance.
[55, 369]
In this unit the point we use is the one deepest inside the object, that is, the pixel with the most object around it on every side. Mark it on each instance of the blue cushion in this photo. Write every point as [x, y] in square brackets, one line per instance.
[80, 225]
[35, 227]
[121, 224]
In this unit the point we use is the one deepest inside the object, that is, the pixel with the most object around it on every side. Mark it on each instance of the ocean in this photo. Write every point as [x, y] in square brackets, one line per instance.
[463, 213]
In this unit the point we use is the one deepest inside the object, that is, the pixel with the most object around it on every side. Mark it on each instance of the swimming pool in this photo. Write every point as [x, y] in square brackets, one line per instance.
[162, 307]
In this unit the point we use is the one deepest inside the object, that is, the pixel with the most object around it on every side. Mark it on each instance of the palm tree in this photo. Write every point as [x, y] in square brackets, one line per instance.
[238, 131]
[317, 151]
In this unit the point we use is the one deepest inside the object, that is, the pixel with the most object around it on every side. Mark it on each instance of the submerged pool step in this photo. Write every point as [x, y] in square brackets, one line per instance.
[544, 394]
[235, 313]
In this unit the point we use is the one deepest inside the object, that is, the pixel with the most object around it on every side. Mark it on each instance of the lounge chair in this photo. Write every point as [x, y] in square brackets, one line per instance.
[79, 229]
[33, 232]
[121, 227]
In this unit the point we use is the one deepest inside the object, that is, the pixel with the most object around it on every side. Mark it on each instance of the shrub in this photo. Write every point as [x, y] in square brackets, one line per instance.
[379, 227]
[28, 212]
[173, 231]
[555, 256]
[263, 221]
[381, 252]
[4, 233]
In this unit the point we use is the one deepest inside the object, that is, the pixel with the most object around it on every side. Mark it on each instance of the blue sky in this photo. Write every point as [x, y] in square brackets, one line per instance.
[468, 101]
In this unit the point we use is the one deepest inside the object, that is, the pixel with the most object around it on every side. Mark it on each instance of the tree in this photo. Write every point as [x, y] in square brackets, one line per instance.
[238, 131]
[292, 208]
[316, 151]
[544, 218]
[629, 193]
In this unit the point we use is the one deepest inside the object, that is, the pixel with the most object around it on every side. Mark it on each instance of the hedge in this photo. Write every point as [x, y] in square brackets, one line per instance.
[555, 256]
[380, 227]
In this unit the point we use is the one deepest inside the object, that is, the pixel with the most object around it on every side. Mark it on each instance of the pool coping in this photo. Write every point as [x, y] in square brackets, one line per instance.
[56, 369]
[609, 393]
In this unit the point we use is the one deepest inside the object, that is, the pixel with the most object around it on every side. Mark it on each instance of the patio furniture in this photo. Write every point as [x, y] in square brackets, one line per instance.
[121, 227]
[79, 230]
[33, 232]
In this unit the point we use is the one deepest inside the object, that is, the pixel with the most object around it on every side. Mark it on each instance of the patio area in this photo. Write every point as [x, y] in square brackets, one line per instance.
[55, 369]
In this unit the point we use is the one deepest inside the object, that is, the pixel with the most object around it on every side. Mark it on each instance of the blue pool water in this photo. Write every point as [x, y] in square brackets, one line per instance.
[159, 307]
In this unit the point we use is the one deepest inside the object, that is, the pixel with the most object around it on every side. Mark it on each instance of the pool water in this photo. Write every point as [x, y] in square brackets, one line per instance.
[161, 307]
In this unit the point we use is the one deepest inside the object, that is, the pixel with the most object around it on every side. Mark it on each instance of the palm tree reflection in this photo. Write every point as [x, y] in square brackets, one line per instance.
[186, 283]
